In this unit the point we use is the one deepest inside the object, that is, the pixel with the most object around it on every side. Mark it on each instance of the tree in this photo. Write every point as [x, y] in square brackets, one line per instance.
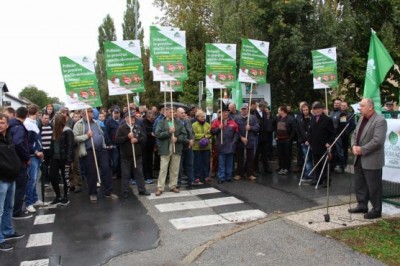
[106, 33]
[194, 17]
[131, 31]
[129, 26]
[35, 95]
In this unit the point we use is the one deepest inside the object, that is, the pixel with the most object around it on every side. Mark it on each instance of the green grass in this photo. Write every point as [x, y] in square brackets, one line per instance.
[380, 240]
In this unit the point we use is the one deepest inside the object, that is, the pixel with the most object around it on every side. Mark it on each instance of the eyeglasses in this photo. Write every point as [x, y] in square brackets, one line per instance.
[89, 111]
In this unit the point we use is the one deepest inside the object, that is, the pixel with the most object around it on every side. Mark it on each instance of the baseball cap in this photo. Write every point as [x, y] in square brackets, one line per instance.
[317, 105]
[131, 113]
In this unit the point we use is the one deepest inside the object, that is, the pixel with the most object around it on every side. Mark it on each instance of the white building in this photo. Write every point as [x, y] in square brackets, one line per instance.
[7, 99]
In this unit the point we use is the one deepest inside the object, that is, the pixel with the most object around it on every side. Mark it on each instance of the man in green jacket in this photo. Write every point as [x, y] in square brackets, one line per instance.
[171, 136]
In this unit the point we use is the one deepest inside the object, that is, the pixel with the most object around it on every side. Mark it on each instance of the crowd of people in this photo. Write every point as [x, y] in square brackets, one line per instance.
[99, 146]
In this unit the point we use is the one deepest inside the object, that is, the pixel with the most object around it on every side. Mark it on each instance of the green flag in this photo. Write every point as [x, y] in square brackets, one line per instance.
[379, 63]
[237, 95]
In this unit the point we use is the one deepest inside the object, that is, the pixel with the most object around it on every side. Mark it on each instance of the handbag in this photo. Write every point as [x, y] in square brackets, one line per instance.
[203, 142]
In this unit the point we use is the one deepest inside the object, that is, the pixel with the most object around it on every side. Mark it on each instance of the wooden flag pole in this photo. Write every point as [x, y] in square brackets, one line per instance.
[326, 99]
[94, 149]
[222, 129]
[172, 118]
[248, 113]
[130, 126]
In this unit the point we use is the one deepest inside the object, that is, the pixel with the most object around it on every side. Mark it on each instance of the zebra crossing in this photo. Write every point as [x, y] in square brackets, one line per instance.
[40, 239]
[181, 223]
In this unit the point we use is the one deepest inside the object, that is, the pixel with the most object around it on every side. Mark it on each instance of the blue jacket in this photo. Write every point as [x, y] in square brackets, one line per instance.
[253, 132]
[111, 129]
[19, 136]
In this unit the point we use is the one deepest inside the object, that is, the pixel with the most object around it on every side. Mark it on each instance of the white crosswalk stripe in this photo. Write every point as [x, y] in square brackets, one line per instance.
[224, 218]
[194, 192]
[40, 239]
[43, 262]
[44, 219]
[178, 206]
[204, 220]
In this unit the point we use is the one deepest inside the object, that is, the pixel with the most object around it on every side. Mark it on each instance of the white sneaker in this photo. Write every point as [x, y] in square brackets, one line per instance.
[30, 208]
[38, 203]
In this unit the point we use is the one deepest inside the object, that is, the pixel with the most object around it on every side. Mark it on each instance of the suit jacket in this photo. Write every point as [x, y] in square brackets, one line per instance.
[321, 133]
[372, 142]
[266, 126]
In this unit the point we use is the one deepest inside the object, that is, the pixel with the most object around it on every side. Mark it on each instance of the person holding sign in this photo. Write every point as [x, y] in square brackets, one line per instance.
[87, 132]
[171, 136]
[129, 134]
[226, 146]
[248, 130]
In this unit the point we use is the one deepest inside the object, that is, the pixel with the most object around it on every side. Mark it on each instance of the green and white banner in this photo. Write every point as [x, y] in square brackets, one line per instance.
[168, 55]
[392, 151]
[80, 82]
[324, 68]
[209, 101]
[220, 65]
[171, 86]
[124, 67]
[253, 61]
[158, 28]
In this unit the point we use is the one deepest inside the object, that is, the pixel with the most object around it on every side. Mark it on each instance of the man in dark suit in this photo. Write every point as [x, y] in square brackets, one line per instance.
[322, 135]
[367, 145]
[265, 136]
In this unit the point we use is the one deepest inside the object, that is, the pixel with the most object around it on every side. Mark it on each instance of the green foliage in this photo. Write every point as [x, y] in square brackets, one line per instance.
[131, 17]
[37, 96]
[293, 27]
[106, 33]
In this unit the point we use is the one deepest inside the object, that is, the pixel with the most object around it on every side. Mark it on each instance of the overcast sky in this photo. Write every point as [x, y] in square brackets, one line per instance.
[34, 34]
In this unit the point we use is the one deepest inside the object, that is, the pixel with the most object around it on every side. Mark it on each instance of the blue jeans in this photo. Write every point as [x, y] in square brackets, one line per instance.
[187, 164]
[309, 163]
[201, 164]
[7, 190]
[225, 166]
[33, 173]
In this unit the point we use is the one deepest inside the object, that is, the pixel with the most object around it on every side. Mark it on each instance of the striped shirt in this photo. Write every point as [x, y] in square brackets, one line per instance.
[47, 133]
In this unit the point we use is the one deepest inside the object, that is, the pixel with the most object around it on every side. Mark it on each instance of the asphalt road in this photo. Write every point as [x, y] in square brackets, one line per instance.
[144, 230]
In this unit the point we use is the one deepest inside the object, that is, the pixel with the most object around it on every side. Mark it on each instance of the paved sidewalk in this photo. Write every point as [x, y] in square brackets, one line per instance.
[280, 242]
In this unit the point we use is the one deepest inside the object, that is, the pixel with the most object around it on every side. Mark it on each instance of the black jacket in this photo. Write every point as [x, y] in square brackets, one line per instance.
[66, 146]
[121, 138]
[303, 127]
[321, 133]
[266, 126]
[10, 164]
[19, 136]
